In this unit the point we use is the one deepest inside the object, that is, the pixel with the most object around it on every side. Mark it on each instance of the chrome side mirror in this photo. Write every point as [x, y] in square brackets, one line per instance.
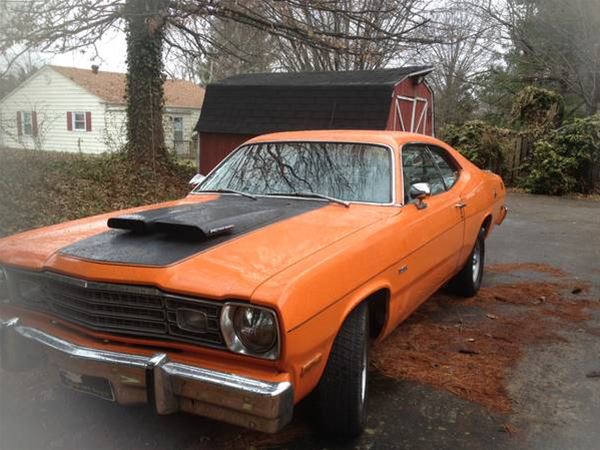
[196, 180]
[420, 191]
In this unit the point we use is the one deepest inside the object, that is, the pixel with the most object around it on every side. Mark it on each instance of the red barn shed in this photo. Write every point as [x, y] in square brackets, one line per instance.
[244, 106]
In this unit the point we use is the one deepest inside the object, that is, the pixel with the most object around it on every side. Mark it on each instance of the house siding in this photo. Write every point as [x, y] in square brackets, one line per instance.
[189, 117]
[114, 132]
[52, 96]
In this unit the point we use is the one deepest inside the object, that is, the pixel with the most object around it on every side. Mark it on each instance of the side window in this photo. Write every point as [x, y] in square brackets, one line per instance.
[448, 167]
[178, 129]
[79, 121]
[418, 167]
[27, 123]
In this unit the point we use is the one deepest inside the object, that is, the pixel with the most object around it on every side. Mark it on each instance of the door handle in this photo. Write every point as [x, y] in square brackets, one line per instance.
[460, 205]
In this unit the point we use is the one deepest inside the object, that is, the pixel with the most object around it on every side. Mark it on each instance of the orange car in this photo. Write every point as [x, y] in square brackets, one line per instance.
[263, 285]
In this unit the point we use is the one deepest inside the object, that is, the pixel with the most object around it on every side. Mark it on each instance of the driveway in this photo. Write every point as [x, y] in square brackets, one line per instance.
[532, 387]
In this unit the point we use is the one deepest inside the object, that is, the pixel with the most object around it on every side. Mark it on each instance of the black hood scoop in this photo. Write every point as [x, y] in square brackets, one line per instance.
[185, 230]
[165, 236]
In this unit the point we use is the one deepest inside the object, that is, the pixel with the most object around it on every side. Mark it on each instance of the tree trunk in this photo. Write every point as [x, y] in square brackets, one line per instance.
[145, 133]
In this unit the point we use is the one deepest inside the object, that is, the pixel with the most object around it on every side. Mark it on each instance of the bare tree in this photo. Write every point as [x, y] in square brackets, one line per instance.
[556, 41]
[185, 26]
[236, 48]
[358, 44]
[467, 51]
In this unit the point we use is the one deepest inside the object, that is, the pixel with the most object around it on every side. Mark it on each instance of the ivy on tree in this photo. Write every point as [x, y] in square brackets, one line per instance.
[145, 82]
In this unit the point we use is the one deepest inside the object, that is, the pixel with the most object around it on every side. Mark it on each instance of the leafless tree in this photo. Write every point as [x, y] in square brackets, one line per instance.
[557, 43]
[309, 35]
[358, 44]
[468, 49]
[236, 48]
[316, 28]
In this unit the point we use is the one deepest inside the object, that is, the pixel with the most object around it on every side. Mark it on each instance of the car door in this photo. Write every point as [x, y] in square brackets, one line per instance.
[434, 234]
[450, 171]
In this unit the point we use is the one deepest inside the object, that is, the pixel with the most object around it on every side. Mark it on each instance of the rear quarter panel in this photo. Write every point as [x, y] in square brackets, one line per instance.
[484, 194]
[484, 203]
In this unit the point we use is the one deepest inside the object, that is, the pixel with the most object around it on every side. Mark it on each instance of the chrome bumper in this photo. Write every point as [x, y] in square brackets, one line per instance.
[167, 385]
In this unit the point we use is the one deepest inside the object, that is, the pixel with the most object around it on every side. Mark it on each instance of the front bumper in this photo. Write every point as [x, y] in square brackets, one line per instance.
[167, 385]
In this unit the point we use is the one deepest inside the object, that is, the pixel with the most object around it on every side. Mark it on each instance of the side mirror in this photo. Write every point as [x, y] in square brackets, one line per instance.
[420, 191]
[196, 180]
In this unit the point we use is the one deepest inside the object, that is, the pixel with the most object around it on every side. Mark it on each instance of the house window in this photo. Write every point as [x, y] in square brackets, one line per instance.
[79, 121]
[178, 129]
[27, 123]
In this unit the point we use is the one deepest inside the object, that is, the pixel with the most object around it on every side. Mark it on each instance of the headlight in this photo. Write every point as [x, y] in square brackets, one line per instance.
[250, 330]
[3, 285]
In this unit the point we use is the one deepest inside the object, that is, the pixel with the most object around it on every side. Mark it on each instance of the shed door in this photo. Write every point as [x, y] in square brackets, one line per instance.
[411, 114]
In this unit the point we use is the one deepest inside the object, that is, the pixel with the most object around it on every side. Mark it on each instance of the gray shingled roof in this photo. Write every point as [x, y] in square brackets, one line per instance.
[268, 102]
[345, 78]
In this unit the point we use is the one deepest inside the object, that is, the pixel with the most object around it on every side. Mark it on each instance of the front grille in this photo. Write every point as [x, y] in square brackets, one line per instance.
[115, 308]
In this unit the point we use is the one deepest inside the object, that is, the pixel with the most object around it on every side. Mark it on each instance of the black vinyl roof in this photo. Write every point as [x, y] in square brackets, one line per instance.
[269, 102]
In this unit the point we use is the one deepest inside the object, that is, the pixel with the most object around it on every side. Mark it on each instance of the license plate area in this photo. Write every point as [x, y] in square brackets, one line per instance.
[96, 386]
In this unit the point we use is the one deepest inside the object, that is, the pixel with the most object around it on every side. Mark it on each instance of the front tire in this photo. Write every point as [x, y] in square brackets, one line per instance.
[467, 282]
[342, 393]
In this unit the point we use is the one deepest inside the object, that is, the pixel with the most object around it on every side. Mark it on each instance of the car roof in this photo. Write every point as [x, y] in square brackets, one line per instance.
[389, 138]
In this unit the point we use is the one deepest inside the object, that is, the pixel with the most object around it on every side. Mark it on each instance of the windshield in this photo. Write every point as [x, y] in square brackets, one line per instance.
[345, 171]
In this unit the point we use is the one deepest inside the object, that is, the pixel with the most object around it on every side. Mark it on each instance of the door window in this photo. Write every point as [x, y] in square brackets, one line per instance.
[419, 167]
[448, 167]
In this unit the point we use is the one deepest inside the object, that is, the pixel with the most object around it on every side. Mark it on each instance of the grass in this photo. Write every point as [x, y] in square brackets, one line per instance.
[43, 188]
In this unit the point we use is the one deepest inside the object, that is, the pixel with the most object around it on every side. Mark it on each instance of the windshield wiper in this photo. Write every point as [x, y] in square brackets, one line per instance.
[312, 195]
[229, 191]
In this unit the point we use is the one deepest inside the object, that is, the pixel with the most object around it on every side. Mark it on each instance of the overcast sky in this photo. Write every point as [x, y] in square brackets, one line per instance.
[112, 55]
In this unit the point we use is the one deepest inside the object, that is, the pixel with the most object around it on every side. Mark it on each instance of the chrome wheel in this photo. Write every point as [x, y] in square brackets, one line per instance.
[363, 378]
[476, 262]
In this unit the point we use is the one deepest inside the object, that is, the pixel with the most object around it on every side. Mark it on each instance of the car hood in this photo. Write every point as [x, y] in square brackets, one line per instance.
[220, 247]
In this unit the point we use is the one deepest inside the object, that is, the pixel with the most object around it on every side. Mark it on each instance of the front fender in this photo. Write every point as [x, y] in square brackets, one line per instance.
[308, 345]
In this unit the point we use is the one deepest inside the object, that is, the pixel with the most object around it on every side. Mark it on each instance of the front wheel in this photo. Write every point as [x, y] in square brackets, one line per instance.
[467, 282]
[343, 390]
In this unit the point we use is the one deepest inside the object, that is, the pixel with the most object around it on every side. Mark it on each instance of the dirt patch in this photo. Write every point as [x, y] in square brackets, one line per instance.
[534, 267]
[468, 347]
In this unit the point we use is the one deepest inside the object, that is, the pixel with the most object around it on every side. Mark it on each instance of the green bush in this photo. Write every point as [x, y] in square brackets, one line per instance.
[538, 157]
[568, 160]
[550, 171]
[537, 110]
[483, 144]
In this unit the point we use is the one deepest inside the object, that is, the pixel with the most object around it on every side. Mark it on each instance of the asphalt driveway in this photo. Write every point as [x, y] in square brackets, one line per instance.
[554, 403]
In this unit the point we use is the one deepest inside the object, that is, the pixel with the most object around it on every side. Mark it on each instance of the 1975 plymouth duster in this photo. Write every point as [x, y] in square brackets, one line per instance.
[268, 282]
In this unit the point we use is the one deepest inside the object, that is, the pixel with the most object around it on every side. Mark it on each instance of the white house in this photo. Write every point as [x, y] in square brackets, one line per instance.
[78, 110]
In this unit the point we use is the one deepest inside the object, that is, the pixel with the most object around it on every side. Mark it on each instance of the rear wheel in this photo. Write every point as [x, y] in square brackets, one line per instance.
[342, 393]
[467, 282]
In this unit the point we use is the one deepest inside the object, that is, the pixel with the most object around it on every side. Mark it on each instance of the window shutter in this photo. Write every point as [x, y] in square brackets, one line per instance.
[19, 124]
[34, 124]
[88, 121]
[69, 121]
